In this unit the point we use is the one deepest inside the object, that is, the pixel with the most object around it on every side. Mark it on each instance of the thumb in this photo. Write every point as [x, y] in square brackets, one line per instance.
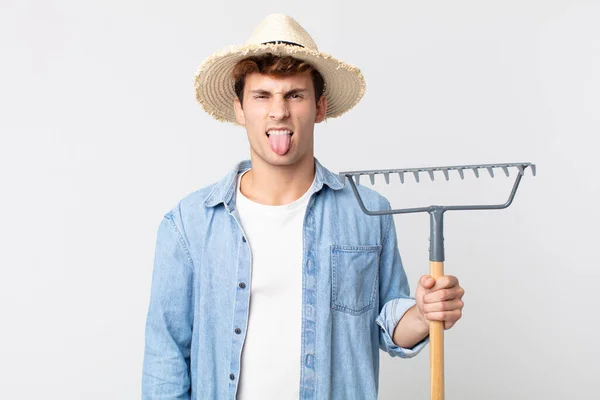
[427, 281]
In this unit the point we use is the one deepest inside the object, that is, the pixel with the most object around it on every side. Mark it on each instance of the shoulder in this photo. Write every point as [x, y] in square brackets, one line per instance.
[190, 209]
[342, 190]
[372, 199]
[342, 206]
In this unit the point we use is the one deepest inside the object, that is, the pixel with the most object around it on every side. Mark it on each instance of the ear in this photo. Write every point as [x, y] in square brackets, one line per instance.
[321, 109]
[239, 112]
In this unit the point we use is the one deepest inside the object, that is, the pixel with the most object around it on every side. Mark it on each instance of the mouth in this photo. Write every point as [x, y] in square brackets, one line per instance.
[280, 140]
[277, 132]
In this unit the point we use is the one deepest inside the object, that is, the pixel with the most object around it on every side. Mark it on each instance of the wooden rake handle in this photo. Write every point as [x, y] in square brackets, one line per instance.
[436, 343]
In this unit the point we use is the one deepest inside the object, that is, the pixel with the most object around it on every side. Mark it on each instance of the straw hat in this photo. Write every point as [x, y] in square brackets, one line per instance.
[278, 34]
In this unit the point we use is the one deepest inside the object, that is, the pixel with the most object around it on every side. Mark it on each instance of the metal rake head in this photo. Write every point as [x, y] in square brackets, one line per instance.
[520, 167]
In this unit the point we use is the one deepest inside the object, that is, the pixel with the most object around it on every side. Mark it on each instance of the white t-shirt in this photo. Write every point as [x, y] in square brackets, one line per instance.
[270, 366]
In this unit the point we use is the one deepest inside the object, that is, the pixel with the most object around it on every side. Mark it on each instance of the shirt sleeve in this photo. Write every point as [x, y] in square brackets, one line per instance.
[168, 331]
[394, 293]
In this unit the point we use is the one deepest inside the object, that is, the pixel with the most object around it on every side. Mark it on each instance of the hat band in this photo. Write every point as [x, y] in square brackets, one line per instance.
[282, 41]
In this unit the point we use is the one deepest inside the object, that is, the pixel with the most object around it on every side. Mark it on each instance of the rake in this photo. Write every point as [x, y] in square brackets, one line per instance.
[436, 249]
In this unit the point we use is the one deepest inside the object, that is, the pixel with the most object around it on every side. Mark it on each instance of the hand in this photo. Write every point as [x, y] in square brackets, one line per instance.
[439, 300]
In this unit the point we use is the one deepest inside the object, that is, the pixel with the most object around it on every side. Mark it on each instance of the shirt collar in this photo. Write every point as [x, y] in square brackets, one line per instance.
[224, 190]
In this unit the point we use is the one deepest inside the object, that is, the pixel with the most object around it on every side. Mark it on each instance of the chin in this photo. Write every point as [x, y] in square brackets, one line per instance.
[288, 158]
[281, 161]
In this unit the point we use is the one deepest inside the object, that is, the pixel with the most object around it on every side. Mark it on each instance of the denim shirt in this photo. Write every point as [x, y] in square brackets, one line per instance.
[354, 292]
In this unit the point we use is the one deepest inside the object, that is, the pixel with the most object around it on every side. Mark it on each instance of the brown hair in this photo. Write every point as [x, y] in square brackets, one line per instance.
[274, 65]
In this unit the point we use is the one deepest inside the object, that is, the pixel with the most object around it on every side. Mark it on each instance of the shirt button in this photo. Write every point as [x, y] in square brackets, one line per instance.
[231, 376]
[242, 285]
[238, 330]
[244, 239]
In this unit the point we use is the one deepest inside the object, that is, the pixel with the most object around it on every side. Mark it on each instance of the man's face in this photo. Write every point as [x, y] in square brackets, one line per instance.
[287, 103]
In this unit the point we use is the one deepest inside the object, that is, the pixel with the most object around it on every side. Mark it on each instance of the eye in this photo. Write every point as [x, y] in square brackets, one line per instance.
[260, 96]
[296, 96]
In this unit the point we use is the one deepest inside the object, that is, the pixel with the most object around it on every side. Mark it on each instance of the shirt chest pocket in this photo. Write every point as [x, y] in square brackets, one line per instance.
[354, 277]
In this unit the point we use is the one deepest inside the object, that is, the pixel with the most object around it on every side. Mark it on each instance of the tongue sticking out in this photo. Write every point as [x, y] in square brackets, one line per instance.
[280, 143]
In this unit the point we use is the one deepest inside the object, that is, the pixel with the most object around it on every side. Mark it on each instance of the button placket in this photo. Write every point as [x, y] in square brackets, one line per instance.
[241, 306]
[307, 375]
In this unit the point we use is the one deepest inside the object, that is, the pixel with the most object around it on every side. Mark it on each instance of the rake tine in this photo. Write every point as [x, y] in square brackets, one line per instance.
[533, 170]
[461, 173]
[491, 171]
[445, 171]
[401, 175]
[476, 171]
[430, 174]
[386, 175]
[416, 174]
[521, 171]
[372, 177]
[505, 169]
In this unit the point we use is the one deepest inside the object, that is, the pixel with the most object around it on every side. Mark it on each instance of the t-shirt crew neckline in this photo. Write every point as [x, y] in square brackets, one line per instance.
[272, 210]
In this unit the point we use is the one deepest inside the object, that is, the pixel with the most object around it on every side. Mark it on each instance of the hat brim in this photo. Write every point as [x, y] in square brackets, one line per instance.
[214, 86]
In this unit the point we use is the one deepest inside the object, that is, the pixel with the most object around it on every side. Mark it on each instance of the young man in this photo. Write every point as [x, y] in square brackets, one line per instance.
[272, 283]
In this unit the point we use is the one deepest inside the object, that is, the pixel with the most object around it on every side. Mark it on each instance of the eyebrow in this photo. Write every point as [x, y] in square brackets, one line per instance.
[293, 91]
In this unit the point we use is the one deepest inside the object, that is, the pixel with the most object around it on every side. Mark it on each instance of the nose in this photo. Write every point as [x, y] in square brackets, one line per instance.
[279, 108]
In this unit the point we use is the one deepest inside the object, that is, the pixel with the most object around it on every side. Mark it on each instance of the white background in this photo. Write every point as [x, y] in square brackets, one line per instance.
[101, 135]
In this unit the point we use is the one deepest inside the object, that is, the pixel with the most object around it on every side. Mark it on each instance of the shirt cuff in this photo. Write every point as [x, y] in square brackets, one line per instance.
[387, 320]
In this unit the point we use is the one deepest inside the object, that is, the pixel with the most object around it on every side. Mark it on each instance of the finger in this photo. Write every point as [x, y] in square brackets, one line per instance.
[449, 316]
[427, 281]
[443, 306]
[443, 295]
[446, 281]
[448, 325]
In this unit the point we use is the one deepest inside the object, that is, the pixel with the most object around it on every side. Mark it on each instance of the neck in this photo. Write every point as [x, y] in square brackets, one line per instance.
[277, 185]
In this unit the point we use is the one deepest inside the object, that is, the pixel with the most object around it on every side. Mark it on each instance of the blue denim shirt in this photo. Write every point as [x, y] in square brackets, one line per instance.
[354, 292]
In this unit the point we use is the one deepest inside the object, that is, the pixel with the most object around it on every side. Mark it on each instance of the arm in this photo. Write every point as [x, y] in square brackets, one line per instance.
[169, 320]
[395, 302]
[411, 329]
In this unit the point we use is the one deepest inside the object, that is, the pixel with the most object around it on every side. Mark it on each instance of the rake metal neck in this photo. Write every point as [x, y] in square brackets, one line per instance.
[436, 233]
